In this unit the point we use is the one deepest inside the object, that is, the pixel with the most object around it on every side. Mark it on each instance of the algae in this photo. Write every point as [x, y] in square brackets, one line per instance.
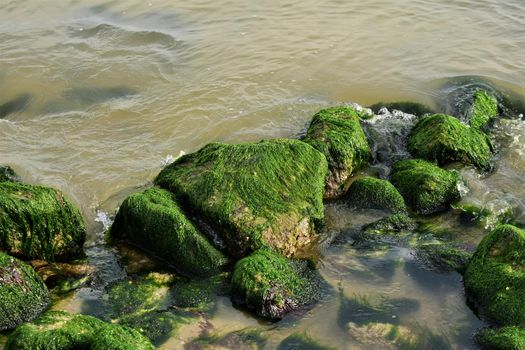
[372, 193]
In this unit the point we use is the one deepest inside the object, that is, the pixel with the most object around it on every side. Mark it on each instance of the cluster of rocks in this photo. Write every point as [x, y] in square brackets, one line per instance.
[250, 214]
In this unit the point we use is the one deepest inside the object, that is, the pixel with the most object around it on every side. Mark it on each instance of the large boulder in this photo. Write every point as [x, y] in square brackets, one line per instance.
[337, 133]
[57, 330]
[39, 223]
[372, 193]
[444, 139]
[152, 220]
[23, 295]
[272, 285]
[495, 277]
[268, 193]
[426, 187]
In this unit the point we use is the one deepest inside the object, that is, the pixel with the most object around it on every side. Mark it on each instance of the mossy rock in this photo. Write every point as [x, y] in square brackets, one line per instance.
[200, 295]
[23, 295]
[268, 193]
[57, 330]
[426, 188]
[483, 109]
[337, 133]
[39, 223]
[8, 174]
[272, 285]
[301, 341]
[414, 108]
[506, 338]
[153, 220]
[444, 139]
[495, 277]
[243, 339]
[443, 257]
[372, 193]
[392, 224]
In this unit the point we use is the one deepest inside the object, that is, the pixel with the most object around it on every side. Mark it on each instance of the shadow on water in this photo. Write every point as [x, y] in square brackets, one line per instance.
[93, 95]
[15, 105]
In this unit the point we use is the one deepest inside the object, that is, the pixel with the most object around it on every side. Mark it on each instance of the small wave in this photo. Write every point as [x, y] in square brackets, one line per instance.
[105, 219]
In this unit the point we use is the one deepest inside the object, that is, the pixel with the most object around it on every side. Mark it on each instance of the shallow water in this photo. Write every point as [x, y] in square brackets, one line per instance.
[100, 94]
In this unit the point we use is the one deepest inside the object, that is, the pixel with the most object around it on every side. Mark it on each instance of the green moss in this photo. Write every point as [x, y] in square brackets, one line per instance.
[484, 108]
[273, 285]
[7, 174]
[506, 338]
[391, 224]
[152, 220]
[443, 257]
[495, 278]
[23, 295]
[200, 295]
[246, 339]
[39, 223]
[301, 341]
[253, 194]
[404, 106]
[445, 139]
[426, 188]
[156, 325]
[337, 133]
[57, 330]
[372, 193]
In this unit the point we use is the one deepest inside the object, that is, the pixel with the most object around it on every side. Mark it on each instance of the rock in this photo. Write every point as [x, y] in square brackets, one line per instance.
[152, 220]
[57, 330]
[273, 285]
[506, 338]
[63, 277]
[372, 193]
[8, 174]
[337, 133]
[443, 257]
[403, 106]
[23, 295]
[18, 104]
[391, 224]
[426, 188]
[483, 109]
[243, 339]
[495, 278]
[445, 139]
[298, 341]
[39, 223]
[253, 195]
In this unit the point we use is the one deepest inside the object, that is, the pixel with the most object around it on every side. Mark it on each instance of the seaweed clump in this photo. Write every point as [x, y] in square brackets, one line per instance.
[372, 193]
[337, 133]
[506, 338]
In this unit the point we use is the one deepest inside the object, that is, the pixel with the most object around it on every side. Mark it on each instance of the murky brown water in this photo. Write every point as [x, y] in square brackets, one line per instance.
[110, 89]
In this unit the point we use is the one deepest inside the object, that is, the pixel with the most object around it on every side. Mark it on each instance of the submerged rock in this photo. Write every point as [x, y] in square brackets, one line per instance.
[443, 257]
[268, 193]
[57, 330]
[495, 277]
[337, 133]
[8, 174]
[445, 139]
[299, 341]
[18, 104]
[372, 193]
[243, 339]
[426, 188]
[413, 108]
[23, 295]
[39, 223]
[153, 220]
[273, 285]
[391, 224]
[506, 338]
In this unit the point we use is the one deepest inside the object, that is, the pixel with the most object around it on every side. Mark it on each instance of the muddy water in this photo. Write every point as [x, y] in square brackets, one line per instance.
[102, 93]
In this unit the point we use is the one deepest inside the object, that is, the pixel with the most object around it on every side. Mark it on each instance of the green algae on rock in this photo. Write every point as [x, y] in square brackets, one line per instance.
[153, 220]
[39, 223]
[57, 330]
[483, 109]
[443, 257]
[23, 295]
[300, 341]
[273, 285]
[372, 193]
[392, 224]
[268, 193]
[506, 338]
[444, 139]
[426, 188]
[495, 277]
[8, 174]
[337, 133]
